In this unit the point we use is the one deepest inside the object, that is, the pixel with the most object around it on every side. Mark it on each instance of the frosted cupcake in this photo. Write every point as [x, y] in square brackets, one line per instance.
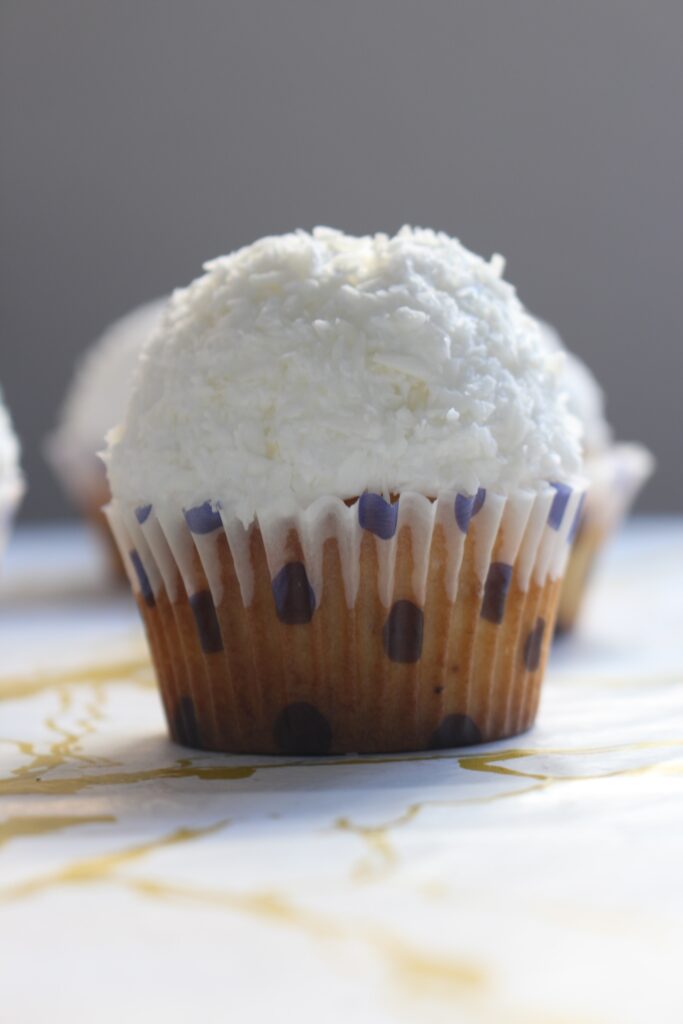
[11, 480]
[94, 403]
[344, 489]
[615, 474]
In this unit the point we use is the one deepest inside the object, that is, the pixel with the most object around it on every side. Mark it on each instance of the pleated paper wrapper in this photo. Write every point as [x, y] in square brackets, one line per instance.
[83, 478]
[372, 625]
[615, 479]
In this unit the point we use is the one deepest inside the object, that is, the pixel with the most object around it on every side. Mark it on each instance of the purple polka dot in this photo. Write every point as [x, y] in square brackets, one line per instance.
[578, 521]
[206, 621]
[534, 645]
[301, 729]
[559, 505]
[142, 513]
[467, 506]
[185, 729]
[143, 578]
[403, 632]
[377, 515]
[294, 597]
[455, 731]
[496, 591]
[203, 518]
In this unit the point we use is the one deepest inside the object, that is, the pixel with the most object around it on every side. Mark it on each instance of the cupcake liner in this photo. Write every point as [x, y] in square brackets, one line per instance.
[364, 626]
[615, 479]
[11, 493]
[84, 479]
[92, 510]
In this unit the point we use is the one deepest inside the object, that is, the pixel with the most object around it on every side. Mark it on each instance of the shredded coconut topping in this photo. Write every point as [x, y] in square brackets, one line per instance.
[323, 364]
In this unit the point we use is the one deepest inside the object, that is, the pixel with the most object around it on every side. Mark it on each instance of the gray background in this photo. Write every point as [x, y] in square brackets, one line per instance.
[140, 137]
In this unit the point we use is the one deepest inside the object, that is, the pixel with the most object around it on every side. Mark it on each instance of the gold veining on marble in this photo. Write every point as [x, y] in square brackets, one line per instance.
[489, 761]
[134, 670]
[25, 826]
[34, 783]
[383, 856]
[63, 768]
[66, 749]
[103, 868]
[41, 774]
[411, 965]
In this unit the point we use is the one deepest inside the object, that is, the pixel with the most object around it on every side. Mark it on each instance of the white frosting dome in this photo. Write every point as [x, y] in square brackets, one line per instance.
[322, 364]
[585, 397]
[98, 393]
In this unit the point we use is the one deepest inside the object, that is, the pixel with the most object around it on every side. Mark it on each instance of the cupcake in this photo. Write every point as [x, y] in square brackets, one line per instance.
[344, 489]
[11, 480]
[94, 403]
[615, 474]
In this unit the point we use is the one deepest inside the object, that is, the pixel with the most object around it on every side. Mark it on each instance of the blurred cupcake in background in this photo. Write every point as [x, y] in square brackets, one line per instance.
[616, 473]
[343, 489]
[11, 479]
[94, 402]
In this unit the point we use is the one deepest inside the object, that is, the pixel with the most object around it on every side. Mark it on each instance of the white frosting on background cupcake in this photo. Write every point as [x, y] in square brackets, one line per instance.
[322, 364]
[11, 477]
[10, 473]
[97, 396]
[586, 398]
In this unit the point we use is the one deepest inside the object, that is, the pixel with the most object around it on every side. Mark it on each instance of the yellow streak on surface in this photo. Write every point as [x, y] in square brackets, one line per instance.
[23, 826]
[65, 749]
[103, 868]
[486, 762]
[30, 779]
[137, 671]
[411, 965]
[35, 784]
[376, 836]
[410, 962]
[377, 839]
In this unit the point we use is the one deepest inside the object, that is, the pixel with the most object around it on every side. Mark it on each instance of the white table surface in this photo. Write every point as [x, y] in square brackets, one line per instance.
[534, 880]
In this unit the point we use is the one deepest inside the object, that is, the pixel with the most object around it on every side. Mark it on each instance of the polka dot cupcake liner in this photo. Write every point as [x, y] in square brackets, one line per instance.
[367, 626]
[615, 478]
